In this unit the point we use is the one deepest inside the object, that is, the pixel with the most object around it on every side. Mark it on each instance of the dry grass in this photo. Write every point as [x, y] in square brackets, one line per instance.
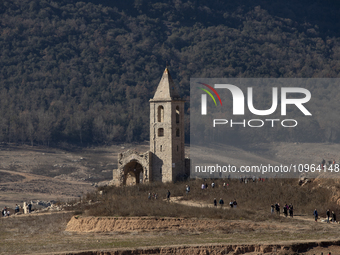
[254, 199]
[28, 234]
[32, 224]
[46, 233]
[259, 196]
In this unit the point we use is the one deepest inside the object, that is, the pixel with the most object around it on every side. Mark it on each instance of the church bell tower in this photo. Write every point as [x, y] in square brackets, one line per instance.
[167, 131]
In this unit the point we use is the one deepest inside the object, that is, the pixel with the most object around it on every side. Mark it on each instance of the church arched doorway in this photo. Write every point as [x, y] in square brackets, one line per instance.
[133, 173]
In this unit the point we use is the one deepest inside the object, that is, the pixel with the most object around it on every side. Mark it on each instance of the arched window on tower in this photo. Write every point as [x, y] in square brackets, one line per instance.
[160, 132]
[160, 113]
[177, 132]
[177, 114]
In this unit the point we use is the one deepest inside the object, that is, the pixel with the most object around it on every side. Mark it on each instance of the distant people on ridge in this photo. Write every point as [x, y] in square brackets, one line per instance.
[291, 212]
[235, 203]
[316, 215]
[168, 195]
[221, 202]
[328, 214]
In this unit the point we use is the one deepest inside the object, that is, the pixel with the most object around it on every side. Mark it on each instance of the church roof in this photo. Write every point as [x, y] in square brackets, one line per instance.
[166, 88]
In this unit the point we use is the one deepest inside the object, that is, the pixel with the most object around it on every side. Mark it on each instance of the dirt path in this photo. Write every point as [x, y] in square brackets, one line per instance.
[37, 187]
[29, 177]
[35, 214]
[311, 219]
[179, 200]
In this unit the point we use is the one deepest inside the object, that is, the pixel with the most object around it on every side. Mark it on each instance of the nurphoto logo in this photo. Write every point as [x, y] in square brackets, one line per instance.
[246, 126]
[239, 102]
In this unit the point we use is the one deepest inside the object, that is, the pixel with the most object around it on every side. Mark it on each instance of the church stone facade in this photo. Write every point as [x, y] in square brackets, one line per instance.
[165, 161]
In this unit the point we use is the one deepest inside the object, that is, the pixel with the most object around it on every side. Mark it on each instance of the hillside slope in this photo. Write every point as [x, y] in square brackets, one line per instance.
[83, 72]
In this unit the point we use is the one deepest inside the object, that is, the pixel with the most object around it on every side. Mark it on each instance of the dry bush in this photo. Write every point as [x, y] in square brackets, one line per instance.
[120, 206]
[260, 195]
[254, 199]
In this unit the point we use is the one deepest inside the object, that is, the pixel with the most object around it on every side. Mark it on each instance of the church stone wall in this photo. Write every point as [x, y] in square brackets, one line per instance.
[161, 146]
[128, 156]
[166, 159]
[177, 150]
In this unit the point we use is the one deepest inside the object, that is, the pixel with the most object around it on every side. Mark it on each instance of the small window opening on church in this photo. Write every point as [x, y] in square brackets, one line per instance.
[161, 132]
[177, 132]
[177, 147]
[160, 113]
[177, 114]
[161, 148]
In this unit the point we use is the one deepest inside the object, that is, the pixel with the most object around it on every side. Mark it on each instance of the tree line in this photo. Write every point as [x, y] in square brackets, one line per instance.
[83, 72]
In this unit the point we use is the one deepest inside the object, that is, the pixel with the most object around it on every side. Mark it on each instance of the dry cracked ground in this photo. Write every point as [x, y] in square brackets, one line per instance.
[39, 173]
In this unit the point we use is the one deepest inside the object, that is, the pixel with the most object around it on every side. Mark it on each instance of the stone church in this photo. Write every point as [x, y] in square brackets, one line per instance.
[165, 161]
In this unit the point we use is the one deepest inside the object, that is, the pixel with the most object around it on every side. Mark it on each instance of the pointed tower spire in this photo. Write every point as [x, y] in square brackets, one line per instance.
[166, 88]
[167, 132]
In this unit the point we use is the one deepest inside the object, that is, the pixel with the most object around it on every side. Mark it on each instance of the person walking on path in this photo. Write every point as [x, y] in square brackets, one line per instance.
[272, 209]
[221, 202]
[285, 212]
[316, 215]
[277, 208]
[333, 217]
[4, 212]
[291, 212]
[29, 207]
[215, 202]
[328, 214]
[231, 204]
[187, 189]
[168, 196]
[235, 203]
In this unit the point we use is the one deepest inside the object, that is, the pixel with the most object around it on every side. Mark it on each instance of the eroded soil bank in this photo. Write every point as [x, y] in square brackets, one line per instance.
[145, 225]
[279, 249]
[158, 224]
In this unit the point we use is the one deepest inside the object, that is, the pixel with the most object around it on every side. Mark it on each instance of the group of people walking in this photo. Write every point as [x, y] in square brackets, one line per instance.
[330, 217]
[287, 209]
[213, 185]
[5, 212]
[232, 204]
[152, 196]
[328, 214]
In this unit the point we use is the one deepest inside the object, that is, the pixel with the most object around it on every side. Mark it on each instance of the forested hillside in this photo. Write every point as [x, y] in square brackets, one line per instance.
[83, 72]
